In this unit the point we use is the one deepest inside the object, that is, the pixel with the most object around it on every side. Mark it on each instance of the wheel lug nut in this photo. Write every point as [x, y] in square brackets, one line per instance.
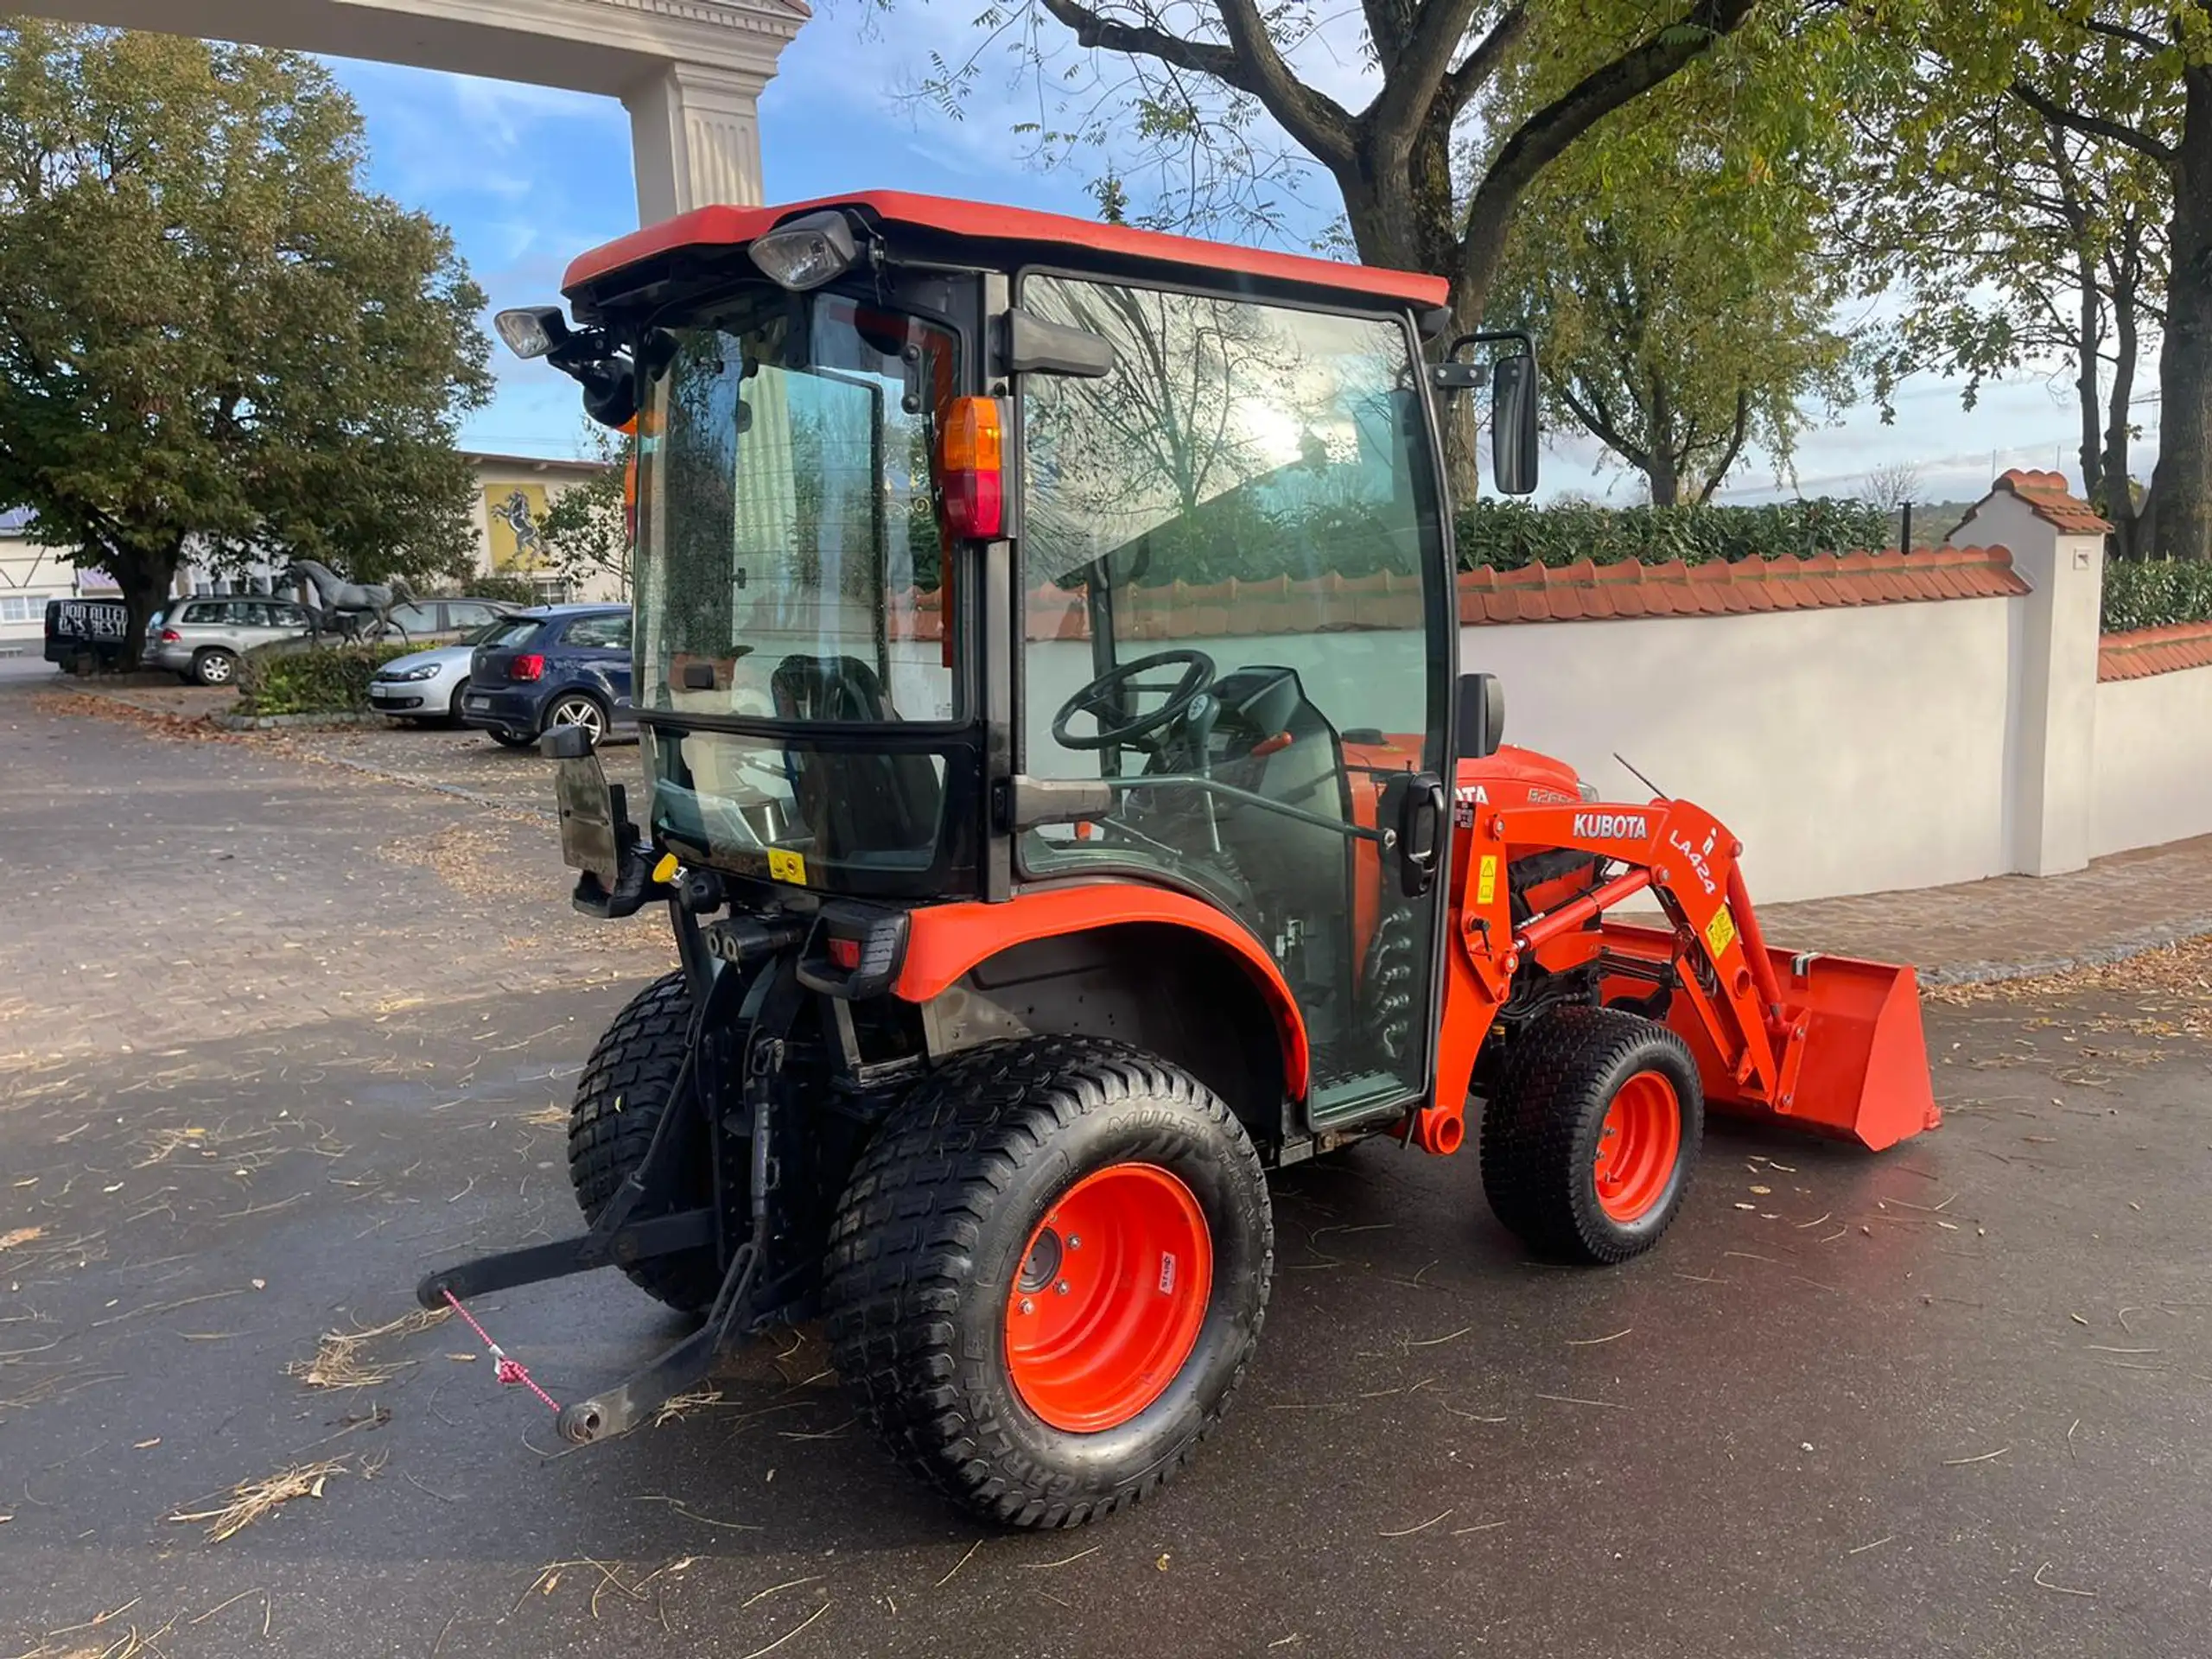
[1028, 1306]
[1075, 1241]
[1061, 1288]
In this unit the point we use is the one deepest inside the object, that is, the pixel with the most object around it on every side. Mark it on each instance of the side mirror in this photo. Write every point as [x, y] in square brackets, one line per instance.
[1513, 424]
[1029, 344]
[610, 391]
[1482, 715]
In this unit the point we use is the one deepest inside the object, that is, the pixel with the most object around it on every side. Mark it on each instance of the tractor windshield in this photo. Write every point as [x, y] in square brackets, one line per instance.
[788, 554]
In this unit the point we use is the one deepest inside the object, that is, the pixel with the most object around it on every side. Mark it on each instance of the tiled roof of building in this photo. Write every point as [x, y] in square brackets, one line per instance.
[2048, 498]
[2146, 651]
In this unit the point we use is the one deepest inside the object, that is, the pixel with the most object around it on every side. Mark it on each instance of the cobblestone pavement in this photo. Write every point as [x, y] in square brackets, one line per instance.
[1948, 1401]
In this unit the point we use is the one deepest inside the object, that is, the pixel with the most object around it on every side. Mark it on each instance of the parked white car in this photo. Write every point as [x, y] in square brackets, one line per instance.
[425, 685]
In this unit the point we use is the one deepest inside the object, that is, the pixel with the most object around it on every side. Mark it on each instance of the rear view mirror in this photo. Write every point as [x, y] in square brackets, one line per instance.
[1513, 424]
[1029, 344]
[1482, 715]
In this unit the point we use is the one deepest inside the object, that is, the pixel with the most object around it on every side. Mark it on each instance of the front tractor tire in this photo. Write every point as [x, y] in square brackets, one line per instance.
[1589, 1143]
[626, 1088]
[1047, 1275]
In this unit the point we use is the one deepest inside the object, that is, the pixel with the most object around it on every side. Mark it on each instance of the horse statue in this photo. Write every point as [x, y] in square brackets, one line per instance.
[339, 598]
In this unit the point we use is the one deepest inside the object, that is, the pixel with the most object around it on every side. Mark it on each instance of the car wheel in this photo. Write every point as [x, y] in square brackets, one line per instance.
[453, 710]
[214, 667]
[581, 711]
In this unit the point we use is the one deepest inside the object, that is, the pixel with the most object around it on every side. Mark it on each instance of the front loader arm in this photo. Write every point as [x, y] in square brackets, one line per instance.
[1719, 960]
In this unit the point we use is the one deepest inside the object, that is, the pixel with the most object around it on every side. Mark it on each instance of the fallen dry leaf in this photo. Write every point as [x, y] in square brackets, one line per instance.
[21, 1235]
[141, 1446]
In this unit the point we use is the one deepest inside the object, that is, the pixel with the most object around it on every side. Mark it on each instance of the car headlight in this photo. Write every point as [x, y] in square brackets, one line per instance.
[428, 671]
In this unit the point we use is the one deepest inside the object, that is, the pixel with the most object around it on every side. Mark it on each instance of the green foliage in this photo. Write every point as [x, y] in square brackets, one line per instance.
[588, 525]
[505, 586]
[2073, 140]
[320, 680]
[1671, 265]
[2156, 592]
[1508, 535]
[209, 329]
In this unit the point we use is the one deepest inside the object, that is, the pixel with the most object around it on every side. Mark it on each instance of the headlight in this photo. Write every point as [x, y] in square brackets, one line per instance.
[428, 671]
[1589, 791]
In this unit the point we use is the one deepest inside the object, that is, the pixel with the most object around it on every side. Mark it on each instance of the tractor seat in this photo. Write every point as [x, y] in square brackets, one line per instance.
[863, 807]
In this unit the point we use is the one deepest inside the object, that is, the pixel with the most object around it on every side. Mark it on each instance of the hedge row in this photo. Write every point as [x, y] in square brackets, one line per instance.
[1508, 535]
[2156, 592]
[317, 680]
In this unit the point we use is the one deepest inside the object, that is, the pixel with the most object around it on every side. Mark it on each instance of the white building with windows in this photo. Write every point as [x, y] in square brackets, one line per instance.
[29, 576]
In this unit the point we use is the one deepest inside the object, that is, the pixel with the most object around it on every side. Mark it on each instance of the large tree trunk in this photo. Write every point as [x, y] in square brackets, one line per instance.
[2086, 339]
[1663, 466]
[2182, 483]
[2119, 498]
[145, 578]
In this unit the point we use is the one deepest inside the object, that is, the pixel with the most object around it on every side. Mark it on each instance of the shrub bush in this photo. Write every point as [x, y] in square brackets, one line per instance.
[2156, 592]
[1508, 535]
[312, 680]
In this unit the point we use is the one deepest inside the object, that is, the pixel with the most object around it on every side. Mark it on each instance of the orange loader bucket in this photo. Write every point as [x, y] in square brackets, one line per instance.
[1863, 1075]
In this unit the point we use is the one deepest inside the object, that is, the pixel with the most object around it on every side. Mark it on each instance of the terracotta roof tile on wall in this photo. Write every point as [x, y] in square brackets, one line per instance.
[2049, 499]
[2146, 651]
[1584, 592]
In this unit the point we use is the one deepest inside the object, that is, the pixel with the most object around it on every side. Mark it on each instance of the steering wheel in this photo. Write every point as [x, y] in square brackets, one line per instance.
[1101, 695]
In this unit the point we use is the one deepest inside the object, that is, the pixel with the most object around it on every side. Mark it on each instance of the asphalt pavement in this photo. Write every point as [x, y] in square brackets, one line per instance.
[1951, 1400]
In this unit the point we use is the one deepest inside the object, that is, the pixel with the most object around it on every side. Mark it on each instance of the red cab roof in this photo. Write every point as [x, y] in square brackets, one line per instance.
[726, 227]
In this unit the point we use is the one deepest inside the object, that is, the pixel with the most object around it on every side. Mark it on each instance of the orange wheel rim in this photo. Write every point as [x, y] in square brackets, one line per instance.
[1107, 1306]
[1639, 1147]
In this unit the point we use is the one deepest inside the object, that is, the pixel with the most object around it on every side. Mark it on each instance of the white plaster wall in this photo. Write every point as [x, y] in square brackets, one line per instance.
[1854, 750]
[2154, 772]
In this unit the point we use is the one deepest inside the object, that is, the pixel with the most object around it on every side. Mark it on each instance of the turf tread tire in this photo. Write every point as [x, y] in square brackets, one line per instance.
[621, 1095]
[918, 1211]
[1540, 1130]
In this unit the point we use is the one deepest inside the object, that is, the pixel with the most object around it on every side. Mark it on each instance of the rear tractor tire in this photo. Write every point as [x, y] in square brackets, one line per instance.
[1589, 1143]
[625, 1090]
[1047, 1275]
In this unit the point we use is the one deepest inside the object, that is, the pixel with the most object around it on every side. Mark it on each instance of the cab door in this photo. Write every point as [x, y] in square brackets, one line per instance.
[1232, 553]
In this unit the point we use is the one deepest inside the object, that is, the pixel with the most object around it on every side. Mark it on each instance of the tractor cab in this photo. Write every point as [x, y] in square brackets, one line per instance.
[985, 556]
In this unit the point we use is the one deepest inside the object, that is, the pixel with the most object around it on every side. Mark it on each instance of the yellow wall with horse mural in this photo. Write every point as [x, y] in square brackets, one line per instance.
[514, 515]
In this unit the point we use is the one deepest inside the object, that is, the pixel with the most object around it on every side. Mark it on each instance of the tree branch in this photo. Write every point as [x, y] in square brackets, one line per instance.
[1480, 65]
[1735, 448]
[2150, 43]
[1424, 69]
[1539, 140]
[1250, 63]
[1597, 422]
[1316, 120]
[2093, 126]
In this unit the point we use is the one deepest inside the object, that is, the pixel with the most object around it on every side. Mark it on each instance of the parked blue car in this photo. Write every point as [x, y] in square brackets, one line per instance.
[556, 665]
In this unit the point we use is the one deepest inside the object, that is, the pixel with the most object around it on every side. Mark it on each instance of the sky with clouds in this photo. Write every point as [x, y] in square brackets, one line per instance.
[527, 177]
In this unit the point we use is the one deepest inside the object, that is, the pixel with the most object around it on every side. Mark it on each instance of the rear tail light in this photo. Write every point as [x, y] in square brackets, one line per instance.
[171, 636]
[845, 953]
[970, 467]
[531, 667]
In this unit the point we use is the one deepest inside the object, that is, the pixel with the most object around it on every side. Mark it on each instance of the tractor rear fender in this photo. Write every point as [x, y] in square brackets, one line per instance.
[1165, 971]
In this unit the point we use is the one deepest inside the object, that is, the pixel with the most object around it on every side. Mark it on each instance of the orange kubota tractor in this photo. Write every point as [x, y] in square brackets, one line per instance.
[1069, 808]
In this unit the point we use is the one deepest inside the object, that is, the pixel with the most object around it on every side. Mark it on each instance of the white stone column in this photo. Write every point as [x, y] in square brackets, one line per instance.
[2052, 761]
[696, 138]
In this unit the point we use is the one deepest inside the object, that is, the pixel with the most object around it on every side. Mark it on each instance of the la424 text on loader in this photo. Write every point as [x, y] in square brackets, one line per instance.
[1069, 808]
